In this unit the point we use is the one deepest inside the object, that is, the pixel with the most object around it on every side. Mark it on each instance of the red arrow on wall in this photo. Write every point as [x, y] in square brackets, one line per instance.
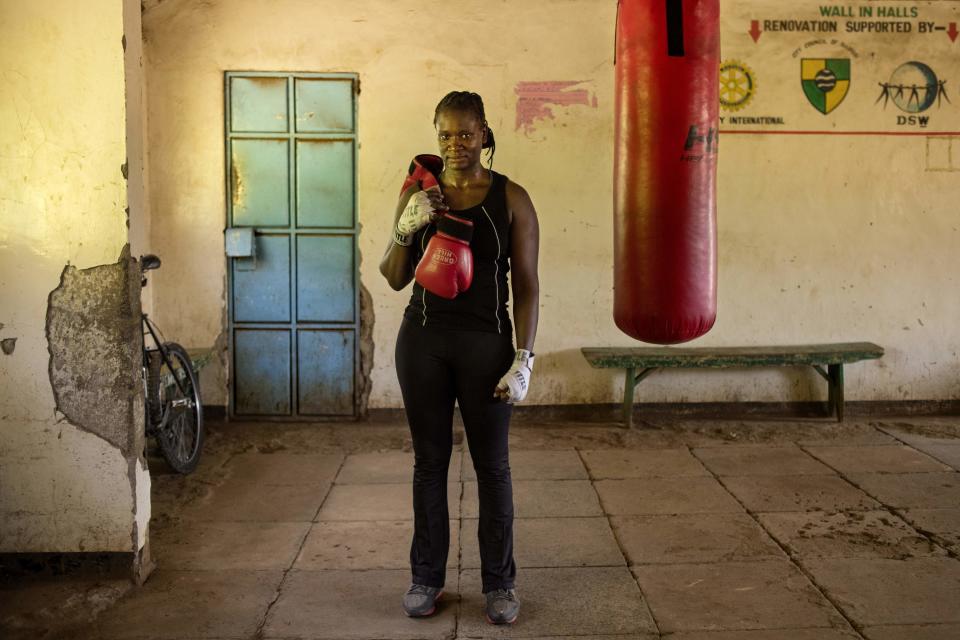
[755, 29]
[952, 32]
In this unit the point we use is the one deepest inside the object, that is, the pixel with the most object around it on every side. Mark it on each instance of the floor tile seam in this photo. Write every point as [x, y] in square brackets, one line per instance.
[950, 473]
[639, 635]
[561, 517]
[652, 477]
[623, 553]
[795, 561]
[270, 521]
[171, 570]
[259, 523]
[759, 513]
[831, 513]
[823, 511]
[773, 559]
[673, 513]
[539, 479]
[746, 629]
[883, 473]
[828, 445]
[307, 478]
[593, 517]
[711, 474]
[364, 570]
[354, 521]
[789, 444]
[396, 483]
[266, 614]
[913, 624]
[382, 484]
[724, 563]
[384, 520]
[555, 566]
[936, 537]
[891, 509]
[514, 479]
[906, 443]
[827, 473]
[899, 444]
[474, 516]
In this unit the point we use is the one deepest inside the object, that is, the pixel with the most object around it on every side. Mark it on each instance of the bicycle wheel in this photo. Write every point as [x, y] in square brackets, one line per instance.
[180, 431]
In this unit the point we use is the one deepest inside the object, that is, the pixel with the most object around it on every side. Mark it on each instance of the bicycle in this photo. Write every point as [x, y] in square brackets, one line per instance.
[174, 411]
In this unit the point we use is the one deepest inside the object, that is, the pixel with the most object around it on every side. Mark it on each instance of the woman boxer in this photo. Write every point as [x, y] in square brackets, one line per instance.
[461, 350]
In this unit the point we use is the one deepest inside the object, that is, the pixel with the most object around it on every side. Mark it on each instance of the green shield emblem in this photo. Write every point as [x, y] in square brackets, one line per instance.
[825, 81]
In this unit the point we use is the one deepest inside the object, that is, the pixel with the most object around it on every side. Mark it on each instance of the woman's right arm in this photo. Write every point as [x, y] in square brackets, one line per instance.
[395, 265]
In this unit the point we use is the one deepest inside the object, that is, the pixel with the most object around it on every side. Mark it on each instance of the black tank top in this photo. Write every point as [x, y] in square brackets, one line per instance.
[482, 307]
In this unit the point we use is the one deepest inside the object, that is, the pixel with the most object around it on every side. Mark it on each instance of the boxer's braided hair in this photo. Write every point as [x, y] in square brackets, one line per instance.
[471, 103]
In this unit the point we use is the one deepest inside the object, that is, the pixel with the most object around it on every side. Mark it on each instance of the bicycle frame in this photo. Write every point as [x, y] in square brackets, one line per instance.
[158, 346]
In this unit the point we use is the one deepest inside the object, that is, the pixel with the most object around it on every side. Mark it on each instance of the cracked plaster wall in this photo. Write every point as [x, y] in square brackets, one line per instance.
[820, 239]
[69, 479]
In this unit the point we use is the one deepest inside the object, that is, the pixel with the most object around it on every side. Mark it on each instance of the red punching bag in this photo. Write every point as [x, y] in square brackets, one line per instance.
[665, 160]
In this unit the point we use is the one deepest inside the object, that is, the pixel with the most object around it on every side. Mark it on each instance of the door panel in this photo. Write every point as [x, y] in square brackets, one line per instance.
[325, 183]
[260, 183]
[261, 285]
[325, 286]
[322, 358]
[324, 105]
[261, 372]
[258, 104]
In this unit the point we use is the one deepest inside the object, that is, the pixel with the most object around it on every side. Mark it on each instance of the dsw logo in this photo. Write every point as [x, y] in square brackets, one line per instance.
[921, 121]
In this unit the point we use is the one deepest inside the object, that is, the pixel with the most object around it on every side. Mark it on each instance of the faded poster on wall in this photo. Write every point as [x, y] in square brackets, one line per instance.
[848, 67]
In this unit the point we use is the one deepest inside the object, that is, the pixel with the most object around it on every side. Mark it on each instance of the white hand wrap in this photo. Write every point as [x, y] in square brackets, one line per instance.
[417, 214]
[517, 379]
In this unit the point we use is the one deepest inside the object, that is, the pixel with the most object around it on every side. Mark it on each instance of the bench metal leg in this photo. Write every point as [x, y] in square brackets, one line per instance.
[631, 381]
[836, 390]
[834, 378]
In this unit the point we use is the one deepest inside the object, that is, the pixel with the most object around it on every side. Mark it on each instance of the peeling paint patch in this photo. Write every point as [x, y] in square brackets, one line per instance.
[141, 503]
[93, 337]
[364, 383]
[8, 345]
[534, 100]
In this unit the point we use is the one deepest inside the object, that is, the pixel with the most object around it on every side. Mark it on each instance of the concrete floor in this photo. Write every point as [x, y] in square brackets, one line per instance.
[700, 530]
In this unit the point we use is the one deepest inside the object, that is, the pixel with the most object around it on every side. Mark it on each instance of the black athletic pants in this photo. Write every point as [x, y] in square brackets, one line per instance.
[437, 367]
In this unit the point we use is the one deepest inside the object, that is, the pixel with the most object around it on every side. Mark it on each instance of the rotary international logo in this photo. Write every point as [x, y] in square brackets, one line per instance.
[737, 85]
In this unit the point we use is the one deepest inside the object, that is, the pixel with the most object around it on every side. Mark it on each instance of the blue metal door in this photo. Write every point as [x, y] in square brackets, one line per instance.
[293, 306]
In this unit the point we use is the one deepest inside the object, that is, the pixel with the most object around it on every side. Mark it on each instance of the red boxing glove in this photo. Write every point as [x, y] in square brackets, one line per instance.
[423, 171]
[446, 268]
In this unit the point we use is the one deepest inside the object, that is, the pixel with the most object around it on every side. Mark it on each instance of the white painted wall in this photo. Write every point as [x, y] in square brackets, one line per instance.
[821, 239]
[62, 200]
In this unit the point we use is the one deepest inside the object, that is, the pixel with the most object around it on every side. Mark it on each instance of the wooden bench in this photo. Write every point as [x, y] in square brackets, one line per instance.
[640, 362]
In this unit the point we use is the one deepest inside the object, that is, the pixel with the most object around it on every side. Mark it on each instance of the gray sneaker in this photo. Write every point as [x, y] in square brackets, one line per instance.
[420, 600]
[502, 606]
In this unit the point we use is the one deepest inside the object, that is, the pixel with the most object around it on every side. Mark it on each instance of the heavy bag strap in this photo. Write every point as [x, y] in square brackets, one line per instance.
[675, 28]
